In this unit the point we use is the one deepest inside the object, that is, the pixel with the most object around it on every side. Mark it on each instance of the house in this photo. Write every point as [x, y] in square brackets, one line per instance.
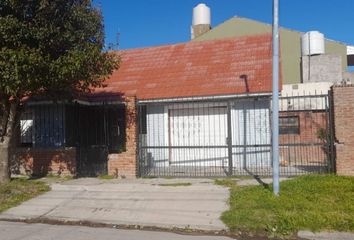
[203, 106]
[195, 109]
[200, 108]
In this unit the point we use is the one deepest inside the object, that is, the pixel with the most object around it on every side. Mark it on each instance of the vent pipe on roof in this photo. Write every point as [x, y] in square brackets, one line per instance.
[201, 22]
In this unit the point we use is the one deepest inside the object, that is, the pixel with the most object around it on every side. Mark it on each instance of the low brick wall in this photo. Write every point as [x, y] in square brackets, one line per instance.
[310, 123]
[124, 164]
[44, 161]
[343, 104]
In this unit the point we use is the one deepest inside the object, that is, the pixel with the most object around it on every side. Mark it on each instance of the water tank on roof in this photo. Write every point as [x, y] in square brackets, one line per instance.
[312, 43]
[201, 14]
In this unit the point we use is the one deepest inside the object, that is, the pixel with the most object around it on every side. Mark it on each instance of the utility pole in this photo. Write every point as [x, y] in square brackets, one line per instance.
[275, 98]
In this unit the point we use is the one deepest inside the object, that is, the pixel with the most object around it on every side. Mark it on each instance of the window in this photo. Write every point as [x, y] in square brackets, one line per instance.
[26, 128]
[289, 125]
[88, 126]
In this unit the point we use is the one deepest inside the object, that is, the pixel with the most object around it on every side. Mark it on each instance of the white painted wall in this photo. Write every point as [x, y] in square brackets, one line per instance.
[305, 102]
[304, 89]
[203, 126]
[157, 134]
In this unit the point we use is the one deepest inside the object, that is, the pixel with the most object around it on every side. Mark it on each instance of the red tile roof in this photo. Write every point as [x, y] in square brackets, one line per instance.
[219, 67]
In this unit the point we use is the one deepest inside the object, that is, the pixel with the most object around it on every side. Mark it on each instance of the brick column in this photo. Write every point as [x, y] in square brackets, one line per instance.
[124, 164]
[343, 103]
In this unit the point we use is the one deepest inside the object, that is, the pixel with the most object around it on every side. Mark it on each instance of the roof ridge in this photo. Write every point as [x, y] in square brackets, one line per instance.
[195, 42]
[281, 27]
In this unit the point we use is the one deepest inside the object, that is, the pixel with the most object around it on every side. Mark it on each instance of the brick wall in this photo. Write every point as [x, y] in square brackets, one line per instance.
[44, 161]
[343, 103]
[124, 164]
[310, 122]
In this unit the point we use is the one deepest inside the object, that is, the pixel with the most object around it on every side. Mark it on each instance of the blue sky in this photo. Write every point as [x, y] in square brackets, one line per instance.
[155, 22]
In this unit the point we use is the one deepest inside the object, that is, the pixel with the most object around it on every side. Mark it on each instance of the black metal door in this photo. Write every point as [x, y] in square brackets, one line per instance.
[92, 160]
[95, 131]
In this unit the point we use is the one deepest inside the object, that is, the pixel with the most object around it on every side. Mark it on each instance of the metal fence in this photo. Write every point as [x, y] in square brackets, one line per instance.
[95, 130]
[209, 137]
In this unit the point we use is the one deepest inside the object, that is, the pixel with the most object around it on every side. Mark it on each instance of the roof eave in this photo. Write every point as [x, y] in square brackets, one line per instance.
[204, 98]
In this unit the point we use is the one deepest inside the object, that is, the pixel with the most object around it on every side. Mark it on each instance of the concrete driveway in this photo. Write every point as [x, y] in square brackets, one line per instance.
[144, 202]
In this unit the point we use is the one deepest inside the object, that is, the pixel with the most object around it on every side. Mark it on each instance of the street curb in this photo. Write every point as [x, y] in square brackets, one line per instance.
[325, 235]
[182, 231]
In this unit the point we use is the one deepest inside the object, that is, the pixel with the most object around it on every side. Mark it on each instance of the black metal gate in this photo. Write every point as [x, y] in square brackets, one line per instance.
[95, 131]
[92, 160]
[230, 137]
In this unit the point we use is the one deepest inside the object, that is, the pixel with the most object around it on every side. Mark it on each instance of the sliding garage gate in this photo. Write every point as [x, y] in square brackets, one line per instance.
[231, 137]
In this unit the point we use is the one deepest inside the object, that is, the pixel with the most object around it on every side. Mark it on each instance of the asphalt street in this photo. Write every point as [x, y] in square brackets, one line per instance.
[18, 231]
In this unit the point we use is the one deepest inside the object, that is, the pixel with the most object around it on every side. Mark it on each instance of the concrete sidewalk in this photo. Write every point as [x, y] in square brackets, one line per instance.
[130, 202]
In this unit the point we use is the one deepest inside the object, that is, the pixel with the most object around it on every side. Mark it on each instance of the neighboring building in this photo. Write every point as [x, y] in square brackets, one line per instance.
[348, 77]
[336, 56]
[350, 54]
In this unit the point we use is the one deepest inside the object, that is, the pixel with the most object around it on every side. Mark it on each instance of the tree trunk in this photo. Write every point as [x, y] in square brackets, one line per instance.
[6, 140]
[4, 163]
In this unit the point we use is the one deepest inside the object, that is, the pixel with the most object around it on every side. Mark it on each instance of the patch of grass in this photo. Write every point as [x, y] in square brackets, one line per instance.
[51, 176]
[68, 177]
[313, 202]
[229, 182]
[149, 177]
[20, 190]
[175, 184]
[105, 177]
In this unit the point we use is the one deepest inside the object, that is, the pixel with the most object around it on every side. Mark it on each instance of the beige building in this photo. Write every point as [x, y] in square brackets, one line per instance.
[329, 66]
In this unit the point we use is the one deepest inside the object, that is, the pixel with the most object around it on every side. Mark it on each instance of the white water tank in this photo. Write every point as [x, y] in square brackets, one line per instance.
[312, 43]
[201, 15]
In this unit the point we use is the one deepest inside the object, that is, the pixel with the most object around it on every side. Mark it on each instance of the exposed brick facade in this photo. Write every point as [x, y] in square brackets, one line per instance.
[310, 122]
[124, 164]
[44, 161]
[343, 104]
[62, 161]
